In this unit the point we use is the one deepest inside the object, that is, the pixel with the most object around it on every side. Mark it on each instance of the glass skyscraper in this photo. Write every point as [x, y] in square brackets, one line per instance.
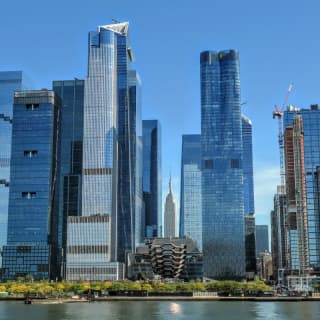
[135, 138]
[33, 219]
[278, 232]
[262, 238]
[72, 95]
[223, 238]
[248, 193]
[9, 82]
[190, 192]
[152, 189]
[247, 166]
[111, 196]
[310, 121]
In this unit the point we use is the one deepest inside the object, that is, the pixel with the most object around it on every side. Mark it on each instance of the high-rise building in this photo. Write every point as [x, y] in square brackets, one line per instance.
[33, 219]
[250, 241]
[111, 196]
[190, 192]
[247, 166]
[296, 196]
[170, 214]
[136, 156]
[279, 232]
[223, 237]
[9, 82]
[304, 176]
[262, 238]
[72, 94]
[248, 196]
[152, 195]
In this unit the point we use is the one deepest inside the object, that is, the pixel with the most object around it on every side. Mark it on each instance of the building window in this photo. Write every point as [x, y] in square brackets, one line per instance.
[29, 195]
[32, 106]
[208, 164]
[235, 164]
[30, 153]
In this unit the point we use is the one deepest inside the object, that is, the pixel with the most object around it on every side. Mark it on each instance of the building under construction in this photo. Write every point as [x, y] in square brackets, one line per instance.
[302, 169]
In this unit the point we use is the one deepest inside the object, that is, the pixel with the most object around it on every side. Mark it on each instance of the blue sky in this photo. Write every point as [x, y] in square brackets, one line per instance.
[278, 43]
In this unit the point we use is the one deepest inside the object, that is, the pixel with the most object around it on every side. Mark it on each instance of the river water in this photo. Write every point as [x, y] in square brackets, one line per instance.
[136, 310]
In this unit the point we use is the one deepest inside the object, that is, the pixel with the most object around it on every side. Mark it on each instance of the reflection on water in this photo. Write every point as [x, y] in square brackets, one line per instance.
[145, 310]
[175, 308]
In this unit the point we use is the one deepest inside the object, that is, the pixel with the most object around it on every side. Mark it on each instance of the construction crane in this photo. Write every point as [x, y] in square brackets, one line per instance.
[277, 113]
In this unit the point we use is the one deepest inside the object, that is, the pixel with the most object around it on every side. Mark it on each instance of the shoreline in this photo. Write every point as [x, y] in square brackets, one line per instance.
[163, 298]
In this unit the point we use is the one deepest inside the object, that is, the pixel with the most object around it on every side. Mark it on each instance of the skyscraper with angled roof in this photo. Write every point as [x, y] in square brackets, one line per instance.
[110, 221]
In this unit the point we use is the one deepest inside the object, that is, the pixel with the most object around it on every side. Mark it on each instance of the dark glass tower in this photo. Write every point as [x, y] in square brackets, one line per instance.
[247, 166]
[135, 138]
[223, 237]
[9, 82]
[248, 193]
[190, 200]
[34, 190]
[72, 94]
[152, 195]
[262, 238]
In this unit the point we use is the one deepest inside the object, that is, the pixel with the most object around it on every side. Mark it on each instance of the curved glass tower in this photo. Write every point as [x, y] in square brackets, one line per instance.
[221, 162]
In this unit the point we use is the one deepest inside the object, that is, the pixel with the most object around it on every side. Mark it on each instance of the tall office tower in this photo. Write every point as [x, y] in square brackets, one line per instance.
[307, 147]
[9, 82]
[279, 232]
[296, 196]
[170, 214]
[108, 214]
[136, 156]
[72, 94]
[250, 244]
[223, 238]
[34, 187]
[190, 193]
[152, 189]
[262, 238]
[247, 165]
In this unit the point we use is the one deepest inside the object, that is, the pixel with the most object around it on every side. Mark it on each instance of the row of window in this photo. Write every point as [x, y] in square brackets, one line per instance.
[28, 194]
[30, 153]
[32, 106]
[234, 164]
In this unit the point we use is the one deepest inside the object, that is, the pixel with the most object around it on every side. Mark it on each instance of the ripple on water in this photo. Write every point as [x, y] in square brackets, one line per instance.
[163, 310]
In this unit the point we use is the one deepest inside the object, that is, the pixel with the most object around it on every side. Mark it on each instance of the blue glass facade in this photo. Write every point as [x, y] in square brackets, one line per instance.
[311, 140]
[111, 148]
[190, 191]
[248, 193]
[247, 166]
[72, 95]
[134, 84]
[262, 238]
[152, 188]
[9, 82]
[223, 237]
[33, 200]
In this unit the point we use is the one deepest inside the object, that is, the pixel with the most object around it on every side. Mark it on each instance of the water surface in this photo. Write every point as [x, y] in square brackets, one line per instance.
[145, 310]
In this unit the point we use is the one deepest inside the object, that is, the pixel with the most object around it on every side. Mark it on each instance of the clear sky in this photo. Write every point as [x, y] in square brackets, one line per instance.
[278, 41]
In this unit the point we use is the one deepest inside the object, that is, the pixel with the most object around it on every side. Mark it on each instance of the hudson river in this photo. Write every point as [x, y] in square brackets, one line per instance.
[139, 310]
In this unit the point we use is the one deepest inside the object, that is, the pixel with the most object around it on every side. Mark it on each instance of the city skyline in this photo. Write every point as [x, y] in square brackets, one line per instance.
[265, 39]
